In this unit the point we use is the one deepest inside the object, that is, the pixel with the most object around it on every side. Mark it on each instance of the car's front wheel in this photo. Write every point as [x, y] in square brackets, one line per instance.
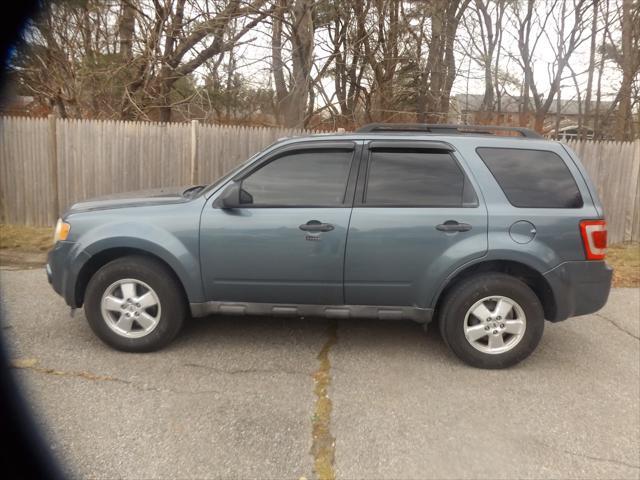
[492, 320]
[134, 304]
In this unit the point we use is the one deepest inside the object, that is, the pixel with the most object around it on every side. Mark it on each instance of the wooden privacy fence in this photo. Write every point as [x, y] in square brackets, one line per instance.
[614, 167]
[47, 164]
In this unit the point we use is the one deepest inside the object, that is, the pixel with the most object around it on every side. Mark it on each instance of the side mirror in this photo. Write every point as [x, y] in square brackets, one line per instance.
[232, 197]
[229, 198]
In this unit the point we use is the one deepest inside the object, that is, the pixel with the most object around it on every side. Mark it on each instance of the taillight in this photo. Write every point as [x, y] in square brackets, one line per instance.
[594, 238]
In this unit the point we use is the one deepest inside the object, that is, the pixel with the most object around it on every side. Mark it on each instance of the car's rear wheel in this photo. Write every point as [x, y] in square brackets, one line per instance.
[491, 320]
[134, 304]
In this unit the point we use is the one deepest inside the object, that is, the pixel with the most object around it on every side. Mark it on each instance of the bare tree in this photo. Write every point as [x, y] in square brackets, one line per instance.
[346, 36]
[330, 62]
[489, 17]
[628, 57]
[592, 63]
[601, 64]
[381, 44]
[445, 19]
[532, 26]
[126, 28]
[176, 49]
[293, 94]
[61, 61]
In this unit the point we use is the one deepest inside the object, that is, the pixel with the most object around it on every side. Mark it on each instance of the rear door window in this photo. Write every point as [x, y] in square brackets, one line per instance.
[399, 177]
[532, 178]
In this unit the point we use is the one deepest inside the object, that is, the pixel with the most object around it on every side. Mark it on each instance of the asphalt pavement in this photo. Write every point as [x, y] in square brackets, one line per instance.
[238, 397]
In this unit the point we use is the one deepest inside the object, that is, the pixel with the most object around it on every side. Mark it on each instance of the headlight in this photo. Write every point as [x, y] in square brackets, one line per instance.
[62, 231]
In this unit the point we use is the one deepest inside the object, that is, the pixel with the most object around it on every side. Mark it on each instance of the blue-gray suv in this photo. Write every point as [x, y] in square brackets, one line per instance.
[487, 231]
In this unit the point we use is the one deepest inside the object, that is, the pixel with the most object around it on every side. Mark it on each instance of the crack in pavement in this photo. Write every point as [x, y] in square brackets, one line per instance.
[323, 446]
[32, 365]
[616, 325]
[236, 371]
[601, 459]
[588, 457]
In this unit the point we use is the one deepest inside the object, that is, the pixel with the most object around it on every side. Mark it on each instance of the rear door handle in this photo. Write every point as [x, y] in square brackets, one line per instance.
[316, 226]
[453, 226]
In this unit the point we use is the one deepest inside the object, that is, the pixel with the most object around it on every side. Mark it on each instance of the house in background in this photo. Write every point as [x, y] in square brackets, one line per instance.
[572, 132]
[468, 109]
[21, 106]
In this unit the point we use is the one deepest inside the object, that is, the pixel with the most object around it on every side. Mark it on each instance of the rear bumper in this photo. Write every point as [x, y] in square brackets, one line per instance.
[579, 288]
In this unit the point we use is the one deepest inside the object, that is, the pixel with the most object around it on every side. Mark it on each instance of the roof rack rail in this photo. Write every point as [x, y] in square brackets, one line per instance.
[445, 128]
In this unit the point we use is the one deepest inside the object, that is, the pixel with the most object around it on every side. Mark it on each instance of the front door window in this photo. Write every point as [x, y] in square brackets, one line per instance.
[307, 178]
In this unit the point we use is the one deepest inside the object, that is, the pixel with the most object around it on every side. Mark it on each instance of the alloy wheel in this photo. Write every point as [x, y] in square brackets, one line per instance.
[495, 324]
[130, 308]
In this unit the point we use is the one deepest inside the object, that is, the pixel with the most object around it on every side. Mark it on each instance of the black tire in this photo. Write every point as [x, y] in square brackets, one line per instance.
[156, 276]
[463, 296]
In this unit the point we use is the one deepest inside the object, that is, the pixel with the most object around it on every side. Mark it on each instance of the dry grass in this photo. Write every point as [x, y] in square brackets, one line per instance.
[18, 239]
[625, 260]
[25, 239]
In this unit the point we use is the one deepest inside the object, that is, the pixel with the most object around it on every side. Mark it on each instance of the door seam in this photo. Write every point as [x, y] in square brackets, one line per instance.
[346, 239]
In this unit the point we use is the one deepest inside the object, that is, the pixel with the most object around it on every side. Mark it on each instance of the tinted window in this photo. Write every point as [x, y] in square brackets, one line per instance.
[405, 177]
[532, 178]
[316, 177]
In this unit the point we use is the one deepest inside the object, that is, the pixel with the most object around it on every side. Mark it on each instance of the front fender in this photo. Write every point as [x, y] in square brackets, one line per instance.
[178, 250]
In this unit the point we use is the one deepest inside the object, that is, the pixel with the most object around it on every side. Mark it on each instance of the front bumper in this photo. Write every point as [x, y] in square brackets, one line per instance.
[579, 288]
[61, 271]
[50, 277]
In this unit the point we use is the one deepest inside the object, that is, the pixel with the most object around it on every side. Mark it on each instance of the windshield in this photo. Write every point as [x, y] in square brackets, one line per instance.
[231, 173]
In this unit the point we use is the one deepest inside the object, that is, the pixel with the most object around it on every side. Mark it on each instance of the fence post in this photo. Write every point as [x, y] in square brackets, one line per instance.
[53, 167]
[194, 152]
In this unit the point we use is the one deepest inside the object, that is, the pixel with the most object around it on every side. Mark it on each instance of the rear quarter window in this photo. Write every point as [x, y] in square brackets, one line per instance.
[532, 178]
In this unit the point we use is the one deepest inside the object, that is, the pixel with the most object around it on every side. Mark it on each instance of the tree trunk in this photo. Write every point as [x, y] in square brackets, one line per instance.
[623, 118]
[164, 113]
[445, 94]
[435, 60]
[539, 120]
[277, 64]
[444, 25]
[292, 102]
[58, 105]
[126, 26]
[421, 100]
[596, 121]
[488, 100]
[302, 60]
[592, 60]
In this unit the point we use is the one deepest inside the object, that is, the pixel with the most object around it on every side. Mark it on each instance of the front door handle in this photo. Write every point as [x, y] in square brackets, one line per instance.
[316, 226]
[453, 226]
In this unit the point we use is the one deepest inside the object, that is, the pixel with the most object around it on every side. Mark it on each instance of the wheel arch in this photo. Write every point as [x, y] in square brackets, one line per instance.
[101, 258]
[529, 275]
